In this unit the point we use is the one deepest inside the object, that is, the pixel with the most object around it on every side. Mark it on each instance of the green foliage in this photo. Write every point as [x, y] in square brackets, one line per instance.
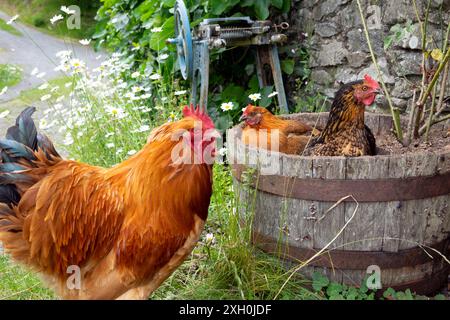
[39, 12]
[336, 291]
[140, 28]
[397, 33]
[10, 75]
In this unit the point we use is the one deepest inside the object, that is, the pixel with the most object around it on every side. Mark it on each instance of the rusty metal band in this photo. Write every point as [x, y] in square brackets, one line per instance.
[363, 190]
[353, 260]
[429, 284]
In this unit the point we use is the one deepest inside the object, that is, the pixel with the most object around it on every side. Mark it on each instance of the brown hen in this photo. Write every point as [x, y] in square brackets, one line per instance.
[292, 135]
[345, 133]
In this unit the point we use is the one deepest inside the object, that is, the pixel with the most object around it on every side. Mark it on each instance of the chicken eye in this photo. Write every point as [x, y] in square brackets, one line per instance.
[364, 88]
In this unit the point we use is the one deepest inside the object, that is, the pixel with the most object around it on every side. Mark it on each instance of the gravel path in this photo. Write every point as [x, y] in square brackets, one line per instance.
[34, 49]
[37, 49]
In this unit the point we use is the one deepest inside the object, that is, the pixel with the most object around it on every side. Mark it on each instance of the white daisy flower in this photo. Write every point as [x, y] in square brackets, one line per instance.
[227, 106]
[43, 86]
[34, 71]
[77, 65]
[46, 97]
[255, 96]
[135, 74]
[209, 238]
[68, 140]
[223, 151]
[4, 114]
[54, 89]
[157, 29]
[144, 128]
[110, 145]
[162, 57]
[179, 93]
[85, 42]
[273, 94]
[43, 124]
[136, 89]
[56, 18]
[118, 113]
[67, 10]
[155, 76]
[14, 18]
[5, 88]
[131, 152]
[59, 99]
[145, 96]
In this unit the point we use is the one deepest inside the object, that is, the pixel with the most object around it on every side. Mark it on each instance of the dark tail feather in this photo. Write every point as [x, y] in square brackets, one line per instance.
[16, 150]
[9, 194]
[44, 143]
[25, 130]
[22, 140]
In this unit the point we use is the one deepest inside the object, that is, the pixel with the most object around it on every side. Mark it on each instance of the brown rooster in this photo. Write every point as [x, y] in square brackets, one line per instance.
[345, 133]
[125, 229]
[293, 135]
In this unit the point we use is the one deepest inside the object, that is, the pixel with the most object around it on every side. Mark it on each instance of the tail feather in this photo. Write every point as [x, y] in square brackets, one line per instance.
[9, 195]
[25, 130]
[16, 150]
[44, 143]
[18, 155]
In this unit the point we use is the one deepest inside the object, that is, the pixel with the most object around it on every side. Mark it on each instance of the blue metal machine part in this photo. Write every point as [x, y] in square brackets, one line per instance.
[193, 49]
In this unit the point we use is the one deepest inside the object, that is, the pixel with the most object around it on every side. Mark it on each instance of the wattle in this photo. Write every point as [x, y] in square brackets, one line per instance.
[369, 100]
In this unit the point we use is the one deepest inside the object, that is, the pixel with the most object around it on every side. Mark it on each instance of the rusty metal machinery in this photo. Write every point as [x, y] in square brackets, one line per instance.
[193, 49]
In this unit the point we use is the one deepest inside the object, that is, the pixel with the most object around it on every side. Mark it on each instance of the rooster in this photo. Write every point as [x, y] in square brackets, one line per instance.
[124, 229]
[293, 135]
[345, 133]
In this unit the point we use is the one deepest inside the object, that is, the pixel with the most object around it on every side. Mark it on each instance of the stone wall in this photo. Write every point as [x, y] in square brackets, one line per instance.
[339, 52]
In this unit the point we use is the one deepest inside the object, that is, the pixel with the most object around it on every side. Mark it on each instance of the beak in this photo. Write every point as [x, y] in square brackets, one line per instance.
[243, 117]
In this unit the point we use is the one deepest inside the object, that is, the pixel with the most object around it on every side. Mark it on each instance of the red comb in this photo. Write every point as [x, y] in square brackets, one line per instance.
[199, 113]
[246, 110]
[371, 82]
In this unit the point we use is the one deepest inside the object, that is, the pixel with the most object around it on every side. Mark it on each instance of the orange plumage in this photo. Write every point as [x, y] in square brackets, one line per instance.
[127, 228]
[292, 135]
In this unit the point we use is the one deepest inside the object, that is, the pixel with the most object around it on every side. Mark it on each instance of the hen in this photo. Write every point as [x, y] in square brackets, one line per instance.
[96, 233]
[293, 135]
[345, 133]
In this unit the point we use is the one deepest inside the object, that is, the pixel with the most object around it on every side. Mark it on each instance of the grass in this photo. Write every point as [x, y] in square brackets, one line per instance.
[10, 75]
[18, 284]
[31, 95]
[38, 13]
[9, 28]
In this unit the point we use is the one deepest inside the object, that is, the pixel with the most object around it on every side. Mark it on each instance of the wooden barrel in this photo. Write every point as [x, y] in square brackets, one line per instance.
[395, 215]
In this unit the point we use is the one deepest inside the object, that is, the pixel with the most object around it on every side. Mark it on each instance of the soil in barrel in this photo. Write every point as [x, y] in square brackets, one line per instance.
[438, 139]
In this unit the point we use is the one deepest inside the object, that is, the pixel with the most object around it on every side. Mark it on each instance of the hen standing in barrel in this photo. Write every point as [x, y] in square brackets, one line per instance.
[345, 133]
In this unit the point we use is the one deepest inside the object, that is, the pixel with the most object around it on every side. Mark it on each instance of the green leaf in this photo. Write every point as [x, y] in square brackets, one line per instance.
[168, 3]
[389, 293]
[278, 3]
[220, 6]
[158, 39]
[288, 66]
[247, 3]
[319, 281]
[334, 289]
[286, 6]
[232, 91]
[262, 9]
